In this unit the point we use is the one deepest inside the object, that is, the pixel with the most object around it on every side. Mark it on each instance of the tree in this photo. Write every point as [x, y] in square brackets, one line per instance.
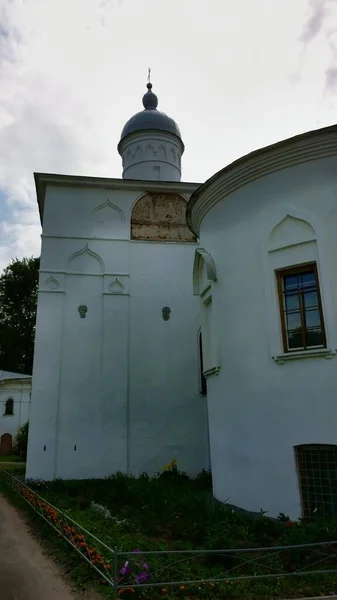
[18, 301]
[21, 442]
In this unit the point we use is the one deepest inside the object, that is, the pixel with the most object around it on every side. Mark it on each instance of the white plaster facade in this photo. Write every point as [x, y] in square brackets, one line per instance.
[16, 388]
[273, 209]
[117, 390]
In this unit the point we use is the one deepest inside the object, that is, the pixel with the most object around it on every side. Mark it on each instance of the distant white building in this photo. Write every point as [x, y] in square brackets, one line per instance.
[15, 390]
[120, 367]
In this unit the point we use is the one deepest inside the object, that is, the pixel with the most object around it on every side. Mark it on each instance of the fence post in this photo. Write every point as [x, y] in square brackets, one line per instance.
[115, 573]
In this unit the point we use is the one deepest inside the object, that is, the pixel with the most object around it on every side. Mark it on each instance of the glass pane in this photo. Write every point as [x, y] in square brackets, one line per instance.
[295, 339]
[310, 299]
[291, 282]
[314, 337]
[312, 318]
[308, 279]
[292, 302]
[294, 320]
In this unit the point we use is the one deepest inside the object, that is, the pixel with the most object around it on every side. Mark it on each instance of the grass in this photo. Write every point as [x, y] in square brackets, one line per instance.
[15, 469]
[172, 512]
[11, 458]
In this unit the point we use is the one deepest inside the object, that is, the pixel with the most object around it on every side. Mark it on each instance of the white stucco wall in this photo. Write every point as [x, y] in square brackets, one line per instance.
[19, 392]
[260, 409]
[119, 389]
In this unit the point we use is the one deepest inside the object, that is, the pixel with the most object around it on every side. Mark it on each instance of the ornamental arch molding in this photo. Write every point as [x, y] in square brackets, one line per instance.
[291, 227]
[85, 261]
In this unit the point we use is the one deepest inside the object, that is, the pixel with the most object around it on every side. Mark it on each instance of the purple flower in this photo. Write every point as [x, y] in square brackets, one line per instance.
[145, 566]
[126, 569]
[141, 577]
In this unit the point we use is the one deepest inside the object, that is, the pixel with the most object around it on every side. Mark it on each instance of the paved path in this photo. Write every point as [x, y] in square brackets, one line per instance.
[26, 573]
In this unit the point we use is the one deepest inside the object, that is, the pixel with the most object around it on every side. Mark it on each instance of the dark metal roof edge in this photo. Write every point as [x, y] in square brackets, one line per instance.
[40, 188]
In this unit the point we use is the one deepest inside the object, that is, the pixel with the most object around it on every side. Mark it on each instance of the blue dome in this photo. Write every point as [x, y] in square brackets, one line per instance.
[150, 118]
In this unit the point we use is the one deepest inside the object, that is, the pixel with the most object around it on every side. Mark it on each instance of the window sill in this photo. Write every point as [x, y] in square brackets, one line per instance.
[318, 353]
[212, 371]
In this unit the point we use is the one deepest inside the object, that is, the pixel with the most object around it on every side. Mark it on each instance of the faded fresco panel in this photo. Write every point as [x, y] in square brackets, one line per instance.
[161, 218]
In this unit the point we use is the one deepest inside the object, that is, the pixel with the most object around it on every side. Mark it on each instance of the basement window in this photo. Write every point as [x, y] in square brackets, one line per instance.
[317, 472]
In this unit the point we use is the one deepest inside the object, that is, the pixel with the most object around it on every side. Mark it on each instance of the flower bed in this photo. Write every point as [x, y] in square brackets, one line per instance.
[158, 515]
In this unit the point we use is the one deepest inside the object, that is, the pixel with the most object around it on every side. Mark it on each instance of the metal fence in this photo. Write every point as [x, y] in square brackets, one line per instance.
[163, 569]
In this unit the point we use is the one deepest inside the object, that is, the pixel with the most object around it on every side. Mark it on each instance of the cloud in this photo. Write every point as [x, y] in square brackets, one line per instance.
[44, 123]
[72, 72]
[331, 79]
[315, 21]
[321, 23]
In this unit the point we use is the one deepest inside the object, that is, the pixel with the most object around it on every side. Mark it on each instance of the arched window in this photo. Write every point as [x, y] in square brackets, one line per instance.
[202, 378]
[6, 444]
[9, 407]
[316, 467]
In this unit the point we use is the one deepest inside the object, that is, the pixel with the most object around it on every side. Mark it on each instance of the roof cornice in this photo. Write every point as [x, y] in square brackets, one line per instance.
[42, 180]
[312, 145]
[27, 379]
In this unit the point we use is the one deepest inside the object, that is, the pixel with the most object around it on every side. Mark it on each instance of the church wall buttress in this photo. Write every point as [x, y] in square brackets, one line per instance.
[43, 430]
[115, 379]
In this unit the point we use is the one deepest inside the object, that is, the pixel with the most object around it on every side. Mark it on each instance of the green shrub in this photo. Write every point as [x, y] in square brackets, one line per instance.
[21, 442]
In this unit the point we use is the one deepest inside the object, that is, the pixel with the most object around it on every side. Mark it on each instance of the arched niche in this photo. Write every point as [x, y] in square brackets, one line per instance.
[161, 218]
[291, 230]
[85, 261]
[108, 213]
[108, 221]
[204, 270]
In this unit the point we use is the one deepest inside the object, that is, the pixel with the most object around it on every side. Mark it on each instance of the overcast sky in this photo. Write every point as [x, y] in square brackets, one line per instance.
[235, 75]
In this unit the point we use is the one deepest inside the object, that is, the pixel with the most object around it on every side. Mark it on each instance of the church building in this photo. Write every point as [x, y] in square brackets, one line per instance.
[195, 322]
[267, 281]
[15, 390]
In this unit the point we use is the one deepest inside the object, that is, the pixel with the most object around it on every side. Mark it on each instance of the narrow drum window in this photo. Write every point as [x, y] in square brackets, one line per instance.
[317, 472]
[9, 407]
[156, 173]
[301, 308]
[203, 382]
